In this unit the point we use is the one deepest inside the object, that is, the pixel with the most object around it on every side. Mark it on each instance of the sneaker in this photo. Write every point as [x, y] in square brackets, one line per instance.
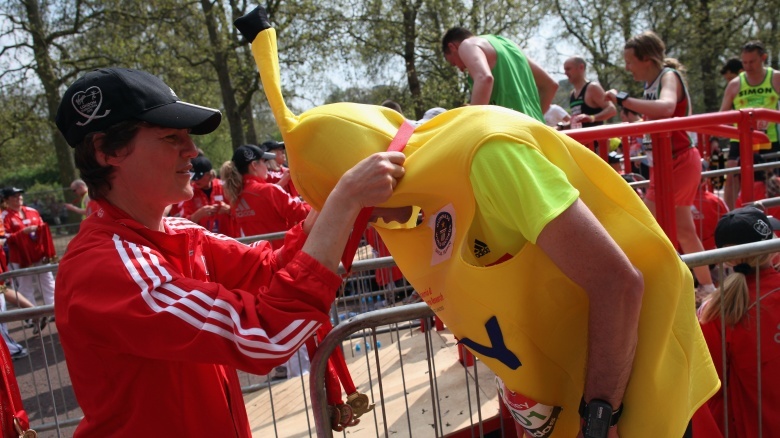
[279, 373]
[41, 325]
[28, 323]
[20, 354]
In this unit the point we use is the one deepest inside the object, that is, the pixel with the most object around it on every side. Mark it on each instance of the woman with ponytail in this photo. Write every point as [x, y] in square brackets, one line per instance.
[258, 207]
[733, 319]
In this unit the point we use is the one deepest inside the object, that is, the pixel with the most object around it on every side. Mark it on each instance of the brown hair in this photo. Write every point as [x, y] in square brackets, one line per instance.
[115, 139]
[648, 45]
[232, 181]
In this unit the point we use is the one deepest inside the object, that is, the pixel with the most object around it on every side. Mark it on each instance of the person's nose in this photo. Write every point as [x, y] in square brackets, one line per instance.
[189, 150]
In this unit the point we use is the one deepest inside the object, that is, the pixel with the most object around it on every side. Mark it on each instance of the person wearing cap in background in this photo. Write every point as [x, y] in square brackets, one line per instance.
[29, 244]
[278, 171]
[429, 114]
[156, 314]
[735, 306]
[16, 350]
[208, 207]
[258, 206]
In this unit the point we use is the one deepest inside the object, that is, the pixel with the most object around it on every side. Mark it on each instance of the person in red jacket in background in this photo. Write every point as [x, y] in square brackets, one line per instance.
[749, 380]
[208, 206]
[278, 171]
[29, 244]
[155, 313]
[258, 206]
[707, 209]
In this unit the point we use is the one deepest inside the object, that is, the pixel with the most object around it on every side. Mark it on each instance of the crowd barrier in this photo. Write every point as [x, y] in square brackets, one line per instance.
[717, 124]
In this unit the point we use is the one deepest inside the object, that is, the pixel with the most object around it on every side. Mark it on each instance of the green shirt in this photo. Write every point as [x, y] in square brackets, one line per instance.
[513, 82]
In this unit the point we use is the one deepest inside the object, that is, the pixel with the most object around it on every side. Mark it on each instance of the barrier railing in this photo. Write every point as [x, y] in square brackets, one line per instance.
[718, 124]
[374, 320]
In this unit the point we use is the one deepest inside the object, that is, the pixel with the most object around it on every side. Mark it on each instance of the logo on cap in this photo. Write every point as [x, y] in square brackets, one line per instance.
[763, 229]
[87, 104]
[249, 155]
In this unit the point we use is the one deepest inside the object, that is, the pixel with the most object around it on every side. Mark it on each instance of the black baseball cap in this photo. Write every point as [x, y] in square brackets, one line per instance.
[272, 145]
[245, 154]
[10, 191]
[107, 96]
[200, 166]
[744, 225]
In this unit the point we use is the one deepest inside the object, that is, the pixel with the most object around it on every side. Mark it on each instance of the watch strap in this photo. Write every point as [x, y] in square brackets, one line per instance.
[583, 411]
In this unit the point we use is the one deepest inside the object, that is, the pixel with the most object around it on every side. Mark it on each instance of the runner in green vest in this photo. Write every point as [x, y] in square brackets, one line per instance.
[499, 72]
[757, 86]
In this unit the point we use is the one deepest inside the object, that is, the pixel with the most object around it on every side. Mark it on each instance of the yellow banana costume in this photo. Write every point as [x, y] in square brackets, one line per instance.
[540, 313]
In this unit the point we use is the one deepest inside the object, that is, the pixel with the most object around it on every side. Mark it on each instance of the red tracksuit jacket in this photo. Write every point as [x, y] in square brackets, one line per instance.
[26, 249]
[220, 223]
[265, 208]
[154, 324]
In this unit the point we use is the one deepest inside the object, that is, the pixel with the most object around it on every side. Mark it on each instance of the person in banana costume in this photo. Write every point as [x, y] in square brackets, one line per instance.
[534, 252]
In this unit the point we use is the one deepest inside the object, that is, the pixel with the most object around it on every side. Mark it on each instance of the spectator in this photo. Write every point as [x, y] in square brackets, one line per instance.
[666, 96]
[208, 207]
[393, 105]
[586, 101]
[29, 244]
[430, 114]
[757, 86]
[16, 350]
[278, 171]
[499, 72]
[707, 209]
[514, 208]
[736, 310]
[156, 314]
[731, 69]
[556, 117]
[258, 206]
[85, 205]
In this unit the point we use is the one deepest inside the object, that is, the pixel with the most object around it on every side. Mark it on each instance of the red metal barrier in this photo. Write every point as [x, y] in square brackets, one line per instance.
[710, 124]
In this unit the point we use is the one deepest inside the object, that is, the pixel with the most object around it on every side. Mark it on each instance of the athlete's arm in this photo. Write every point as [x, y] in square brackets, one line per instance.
[546, 85]
[729, 94]
[475, 60]
[776, 81]
[595, 98]
[580, 247]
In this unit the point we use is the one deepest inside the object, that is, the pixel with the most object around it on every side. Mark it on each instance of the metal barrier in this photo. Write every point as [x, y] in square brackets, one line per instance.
[374, 320]
[711, 124]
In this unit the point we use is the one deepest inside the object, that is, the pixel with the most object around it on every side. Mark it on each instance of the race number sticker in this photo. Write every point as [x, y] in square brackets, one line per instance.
[443, 224]
[537, 419]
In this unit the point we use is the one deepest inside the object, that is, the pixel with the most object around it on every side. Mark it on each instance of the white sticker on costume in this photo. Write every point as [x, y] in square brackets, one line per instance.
[537, 419]
[443, 225]
[219, 198]
[26, 221]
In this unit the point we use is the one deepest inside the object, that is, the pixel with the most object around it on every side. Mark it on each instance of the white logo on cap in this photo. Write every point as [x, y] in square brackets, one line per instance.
[762, 228]
[249, 155]
[87, 103]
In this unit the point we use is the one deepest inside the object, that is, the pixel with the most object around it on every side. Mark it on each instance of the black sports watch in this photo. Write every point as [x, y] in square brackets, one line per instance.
[621, 96]
[598, 417]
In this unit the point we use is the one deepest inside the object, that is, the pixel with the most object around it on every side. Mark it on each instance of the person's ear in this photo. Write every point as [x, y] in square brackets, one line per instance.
[97, 142]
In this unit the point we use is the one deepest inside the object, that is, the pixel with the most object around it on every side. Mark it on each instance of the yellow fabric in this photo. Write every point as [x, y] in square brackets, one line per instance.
[541, 313]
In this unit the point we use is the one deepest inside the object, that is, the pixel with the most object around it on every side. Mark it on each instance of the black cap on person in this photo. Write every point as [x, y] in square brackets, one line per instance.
[107, 96]
[744, 225]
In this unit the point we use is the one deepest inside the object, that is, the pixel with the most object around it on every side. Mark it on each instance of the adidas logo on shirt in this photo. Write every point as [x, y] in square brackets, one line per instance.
[243, 209]
[480, 249]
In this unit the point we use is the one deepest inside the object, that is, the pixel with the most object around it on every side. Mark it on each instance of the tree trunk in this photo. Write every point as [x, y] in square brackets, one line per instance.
[410, 37]
[223, 75]
[51, 84]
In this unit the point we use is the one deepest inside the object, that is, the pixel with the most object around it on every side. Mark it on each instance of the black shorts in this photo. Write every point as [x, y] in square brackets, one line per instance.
[734, 149]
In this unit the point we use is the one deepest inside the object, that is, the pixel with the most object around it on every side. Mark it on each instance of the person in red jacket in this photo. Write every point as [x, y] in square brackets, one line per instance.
[278, 171]
[735, 310]
[29, 244]
[208, 206]
[155, 313]
[258, 206]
